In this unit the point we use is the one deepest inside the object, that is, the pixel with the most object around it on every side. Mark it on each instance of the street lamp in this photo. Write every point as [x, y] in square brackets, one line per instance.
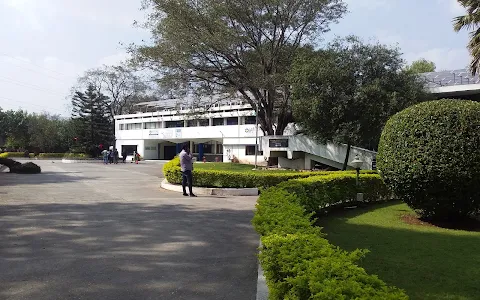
[357, 164]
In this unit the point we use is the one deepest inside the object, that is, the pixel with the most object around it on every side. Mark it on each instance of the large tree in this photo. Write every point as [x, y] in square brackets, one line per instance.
[471, 21]
[422, 66]
[120, 83]
[346, 92]
[244, 47]
[90, 112]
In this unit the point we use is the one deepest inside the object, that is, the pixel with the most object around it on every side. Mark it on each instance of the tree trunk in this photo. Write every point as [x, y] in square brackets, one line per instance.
[345, 163]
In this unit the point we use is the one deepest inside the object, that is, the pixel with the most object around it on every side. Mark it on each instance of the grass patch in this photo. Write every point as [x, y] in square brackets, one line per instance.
[231, 167]
[427, 262]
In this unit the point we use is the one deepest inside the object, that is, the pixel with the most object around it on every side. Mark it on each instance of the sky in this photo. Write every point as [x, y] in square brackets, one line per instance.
[47, 44]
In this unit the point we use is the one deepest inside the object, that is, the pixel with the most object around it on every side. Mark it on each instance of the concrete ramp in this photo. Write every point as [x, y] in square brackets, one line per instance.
[301, 152]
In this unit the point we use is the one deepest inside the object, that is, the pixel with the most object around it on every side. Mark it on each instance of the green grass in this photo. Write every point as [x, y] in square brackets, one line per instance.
[230, 167]
[427, 262]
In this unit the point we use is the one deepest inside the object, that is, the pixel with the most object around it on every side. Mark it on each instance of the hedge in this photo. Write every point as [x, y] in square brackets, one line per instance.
[298, 262]
[17, 167]
[229, 179]
[428, 155]
[44, 155]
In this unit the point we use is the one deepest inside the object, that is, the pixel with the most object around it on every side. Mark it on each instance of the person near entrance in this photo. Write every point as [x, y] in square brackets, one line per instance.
[186, 164]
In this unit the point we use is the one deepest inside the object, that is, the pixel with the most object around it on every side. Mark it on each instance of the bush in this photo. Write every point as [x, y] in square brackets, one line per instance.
[229, 179]
[26, 168]
[428, 156]
[4, 155]
[299, 263]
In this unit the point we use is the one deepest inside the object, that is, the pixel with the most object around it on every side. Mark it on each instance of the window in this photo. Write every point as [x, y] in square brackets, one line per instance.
[122, 127]
[128, 149]
[218, 122]
[133, 126]
[192, 123]
[174, 124]
[250, 120]
[232, 121]
[203, 122]
[250, 150]
[152, 125]
[219, 149]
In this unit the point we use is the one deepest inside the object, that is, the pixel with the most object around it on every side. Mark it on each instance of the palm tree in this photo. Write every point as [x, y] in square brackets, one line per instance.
[471, 21]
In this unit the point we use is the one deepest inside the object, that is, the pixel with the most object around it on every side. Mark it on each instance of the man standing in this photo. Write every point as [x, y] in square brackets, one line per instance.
[186, 163]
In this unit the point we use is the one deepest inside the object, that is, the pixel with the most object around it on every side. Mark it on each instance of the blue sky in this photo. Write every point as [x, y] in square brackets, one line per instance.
[47, 44]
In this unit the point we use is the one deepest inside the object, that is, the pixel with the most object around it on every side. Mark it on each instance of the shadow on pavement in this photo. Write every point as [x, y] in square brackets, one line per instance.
[126, 251]
[12, 179]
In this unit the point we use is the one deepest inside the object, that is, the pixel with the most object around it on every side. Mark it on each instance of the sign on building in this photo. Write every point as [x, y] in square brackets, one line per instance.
[278, 143]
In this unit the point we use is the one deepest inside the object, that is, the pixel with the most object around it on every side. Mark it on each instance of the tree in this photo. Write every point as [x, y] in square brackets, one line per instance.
[120, 83]
[471, 20]
[244, 47]
[422, 66]
[346, 92]
[90, 111]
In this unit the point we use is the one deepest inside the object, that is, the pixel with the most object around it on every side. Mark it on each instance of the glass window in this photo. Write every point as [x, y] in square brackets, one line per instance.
[204, 122]
[133, 126]
[250, 150]
[174, 124]
[218, 122]
[192, 123]
[232, 121]
[250, 120]
[122, 127]
[152, 125]
[219, 149]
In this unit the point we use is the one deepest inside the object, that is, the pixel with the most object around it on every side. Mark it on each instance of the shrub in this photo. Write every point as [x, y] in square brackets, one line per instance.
[26, 168]
[231, 179]
[4, 155]
[428, 156]
[299, 263]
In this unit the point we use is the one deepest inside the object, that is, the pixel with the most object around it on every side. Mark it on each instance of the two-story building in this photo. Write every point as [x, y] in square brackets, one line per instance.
[219, 130]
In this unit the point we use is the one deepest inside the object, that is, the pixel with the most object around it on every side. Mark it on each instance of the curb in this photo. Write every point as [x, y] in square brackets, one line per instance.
[211, 191]
[75, 161]
[262, 288]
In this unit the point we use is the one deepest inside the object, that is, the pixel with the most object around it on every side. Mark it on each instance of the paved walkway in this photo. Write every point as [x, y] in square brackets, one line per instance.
[90, 231]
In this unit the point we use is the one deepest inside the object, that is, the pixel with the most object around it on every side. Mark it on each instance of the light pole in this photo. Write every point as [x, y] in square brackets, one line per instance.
[256, 136]
[357, 164]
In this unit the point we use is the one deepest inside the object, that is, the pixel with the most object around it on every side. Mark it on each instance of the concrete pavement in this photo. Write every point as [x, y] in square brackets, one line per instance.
[90, 231]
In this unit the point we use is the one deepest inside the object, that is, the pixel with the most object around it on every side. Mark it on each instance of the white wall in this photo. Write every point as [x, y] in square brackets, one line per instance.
[140, 145]
[153, 152]
[295, 164]
[239, 151]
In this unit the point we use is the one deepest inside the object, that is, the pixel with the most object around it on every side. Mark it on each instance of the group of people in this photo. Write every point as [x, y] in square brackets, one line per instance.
[112, 157]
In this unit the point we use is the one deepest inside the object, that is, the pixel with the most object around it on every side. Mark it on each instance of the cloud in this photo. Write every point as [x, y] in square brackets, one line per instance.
[114, 59]
[27, 11]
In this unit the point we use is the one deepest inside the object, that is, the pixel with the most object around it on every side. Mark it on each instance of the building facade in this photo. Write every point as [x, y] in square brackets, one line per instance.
[224, 131]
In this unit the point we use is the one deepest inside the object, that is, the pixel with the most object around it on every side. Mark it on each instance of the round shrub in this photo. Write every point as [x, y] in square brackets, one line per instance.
[428, 156]
[26, 168]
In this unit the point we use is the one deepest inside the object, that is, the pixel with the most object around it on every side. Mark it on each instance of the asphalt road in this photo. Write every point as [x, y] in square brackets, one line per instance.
[90, 231]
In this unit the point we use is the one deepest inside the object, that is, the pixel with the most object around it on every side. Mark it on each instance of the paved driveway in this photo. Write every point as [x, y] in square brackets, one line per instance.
[89, 231]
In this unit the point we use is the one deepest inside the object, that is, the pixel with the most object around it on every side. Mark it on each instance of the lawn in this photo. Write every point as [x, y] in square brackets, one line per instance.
[230, 167]
[427, 262]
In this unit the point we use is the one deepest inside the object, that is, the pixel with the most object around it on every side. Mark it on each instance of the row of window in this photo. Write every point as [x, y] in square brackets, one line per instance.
[190, 123]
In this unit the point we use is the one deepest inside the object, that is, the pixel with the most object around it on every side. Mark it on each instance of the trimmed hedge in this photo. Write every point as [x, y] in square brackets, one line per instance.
[16, 167]
[428, 155]
[44, 155]
[229, 179]
[299, 263]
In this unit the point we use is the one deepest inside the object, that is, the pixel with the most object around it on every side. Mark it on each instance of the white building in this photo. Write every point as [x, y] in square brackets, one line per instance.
[219, 131]
[225, 129]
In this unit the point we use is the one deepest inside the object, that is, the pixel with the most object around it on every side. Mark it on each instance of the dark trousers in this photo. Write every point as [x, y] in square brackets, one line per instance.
[187, 179]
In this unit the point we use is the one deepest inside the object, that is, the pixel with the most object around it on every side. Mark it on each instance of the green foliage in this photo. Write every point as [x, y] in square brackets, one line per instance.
[421, 66]
[346, 92]
[45, 155]
[235, 179]
[92, 115]
[299, 263]
[470, 20]
[235, 46]
[26, 168]
[428, 156]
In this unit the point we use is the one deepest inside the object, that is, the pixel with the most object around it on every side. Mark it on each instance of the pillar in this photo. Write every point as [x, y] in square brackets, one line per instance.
[200, 151]
[179, 148]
